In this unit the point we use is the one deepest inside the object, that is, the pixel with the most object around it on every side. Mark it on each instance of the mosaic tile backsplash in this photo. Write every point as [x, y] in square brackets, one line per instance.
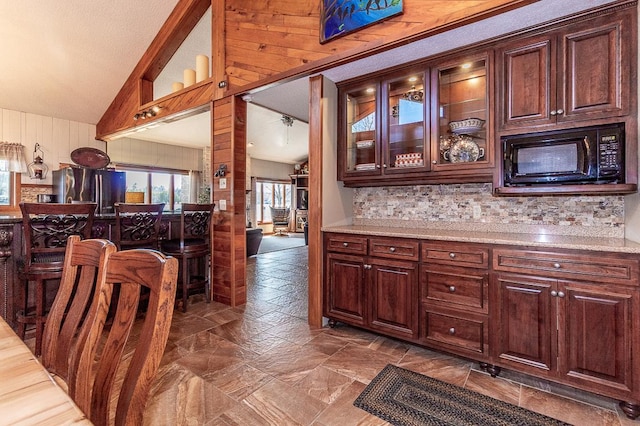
[472, 207]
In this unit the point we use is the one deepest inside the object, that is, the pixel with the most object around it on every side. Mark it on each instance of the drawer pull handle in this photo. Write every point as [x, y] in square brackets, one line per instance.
[556, 265]
[392, 249]
[452, 255]
[452, 331]
[345, 244]
[452, 288]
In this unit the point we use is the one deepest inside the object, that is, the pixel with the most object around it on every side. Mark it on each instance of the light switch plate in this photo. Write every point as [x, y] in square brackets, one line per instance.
[223, 204]
[223, 183]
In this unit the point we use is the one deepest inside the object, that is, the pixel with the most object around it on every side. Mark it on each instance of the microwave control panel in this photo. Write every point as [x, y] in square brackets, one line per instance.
[610, 156]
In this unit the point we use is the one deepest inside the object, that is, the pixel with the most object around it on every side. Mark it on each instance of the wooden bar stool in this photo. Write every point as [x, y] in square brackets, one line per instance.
[137, 225]
[192, 249]
[46, 228]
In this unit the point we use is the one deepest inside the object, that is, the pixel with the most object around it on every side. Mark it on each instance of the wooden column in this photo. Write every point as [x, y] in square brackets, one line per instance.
[229, 251]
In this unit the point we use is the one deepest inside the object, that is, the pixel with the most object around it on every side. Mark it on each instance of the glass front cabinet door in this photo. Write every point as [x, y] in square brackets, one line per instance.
[361, 154]
[461, 134]
[405, 139]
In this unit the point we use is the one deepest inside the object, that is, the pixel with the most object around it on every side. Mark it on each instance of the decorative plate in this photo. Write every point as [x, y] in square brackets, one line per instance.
[468, 125]
[91, 158]
[465, 150]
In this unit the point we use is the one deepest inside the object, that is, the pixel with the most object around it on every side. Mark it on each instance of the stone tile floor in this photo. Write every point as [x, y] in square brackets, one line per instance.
[261, 364]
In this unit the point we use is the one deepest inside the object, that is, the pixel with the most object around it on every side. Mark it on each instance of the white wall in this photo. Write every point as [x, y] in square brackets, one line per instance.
[153, 154]
[57, 138]
[337, 201]
[270, 169]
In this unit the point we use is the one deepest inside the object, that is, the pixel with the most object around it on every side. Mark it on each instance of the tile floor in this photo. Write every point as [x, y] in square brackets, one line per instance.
[261, 364]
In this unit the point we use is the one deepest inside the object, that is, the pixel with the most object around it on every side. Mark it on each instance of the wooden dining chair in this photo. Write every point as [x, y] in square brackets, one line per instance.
[46, 227]
[192, 249]
[100, 350]
[137, 225]
[83, 274]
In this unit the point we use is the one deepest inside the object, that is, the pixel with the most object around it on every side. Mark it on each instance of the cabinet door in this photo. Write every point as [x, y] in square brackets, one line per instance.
[461, 113]
[596, 334]
[344, 296]
[595, 58]
[359, 150]
[527, 82]
[525, 323]
[394, 298]
[406, 131]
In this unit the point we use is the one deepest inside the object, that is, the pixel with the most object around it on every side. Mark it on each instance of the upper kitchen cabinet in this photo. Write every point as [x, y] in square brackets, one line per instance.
[575, 73]
[360, 153]
[460, 112]
[432, 126]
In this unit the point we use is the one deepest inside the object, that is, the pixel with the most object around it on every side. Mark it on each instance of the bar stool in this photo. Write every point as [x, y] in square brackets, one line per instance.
[46, 228]
[137, 225]
[192, 249]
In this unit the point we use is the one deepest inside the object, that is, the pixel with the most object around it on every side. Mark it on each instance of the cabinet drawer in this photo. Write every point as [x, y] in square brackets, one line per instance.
[457, 287]
[455, 254]
[459, 331]
[394, 248]
[605, 267]
[345, 243]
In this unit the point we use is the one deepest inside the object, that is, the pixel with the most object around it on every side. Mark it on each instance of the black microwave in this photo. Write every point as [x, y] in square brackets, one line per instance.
[574, 156]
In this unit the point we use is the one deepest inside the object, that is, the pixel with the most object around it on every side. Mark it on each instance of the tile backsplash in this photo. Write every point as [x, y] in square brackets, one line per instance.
[472, 207]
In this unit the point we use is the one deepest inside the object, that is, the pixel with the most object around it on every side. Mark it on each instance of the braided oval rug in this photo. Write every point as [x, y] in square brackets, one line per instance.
[405, 398]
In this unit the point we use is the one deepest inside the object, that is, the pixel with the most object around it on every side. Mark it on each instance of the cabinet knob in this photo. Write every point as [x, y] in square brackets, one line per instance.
[366, 266]
[377, 166]
[452, 255]
[560, 111]
[556, 265]
[345, 244]
[554, 293]
[392, 249]
[384, 166]
[434, 162]
[561, 294]
[452, 331]
[452, 288]
[552, 112]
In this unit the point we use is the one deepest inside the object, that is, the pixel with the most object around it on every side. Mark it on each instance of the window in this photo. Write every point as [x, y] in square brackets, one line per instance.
[271, 194]
[169, 187]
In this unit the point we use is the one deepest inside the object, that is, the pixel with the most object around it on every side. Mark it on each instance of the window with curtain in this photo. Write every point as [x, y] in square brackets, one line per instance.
[12, 163]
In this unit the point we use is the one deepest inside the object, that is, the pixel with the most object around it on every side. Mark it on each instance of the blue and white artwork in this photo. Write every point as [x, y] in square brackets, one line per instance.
[339, 17]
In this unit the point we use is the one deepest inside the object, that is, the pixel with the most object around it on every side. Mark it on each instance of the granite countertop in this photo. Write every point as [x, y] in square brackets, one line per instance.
[619, 245]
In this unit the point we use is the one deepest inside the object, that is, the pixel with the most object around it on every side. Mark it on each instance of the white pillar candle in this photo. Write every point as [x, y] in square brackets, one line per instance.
[202, 68]
[189, 77]
[177, 86]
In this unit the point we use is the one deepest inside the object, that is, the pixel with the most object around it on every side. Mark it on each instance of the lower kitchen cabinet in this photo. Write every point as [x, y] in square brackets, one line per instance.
[569, 316]
[376, 291]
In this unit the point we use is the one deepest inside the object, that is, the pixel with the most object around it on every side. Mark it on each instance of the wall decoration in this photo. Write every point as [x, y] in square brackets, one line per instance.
[340, 17]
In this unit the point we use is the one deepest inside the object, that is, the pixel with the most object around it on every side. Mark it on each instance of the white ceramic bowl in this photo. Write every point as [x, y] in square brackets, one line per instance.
[468, 125]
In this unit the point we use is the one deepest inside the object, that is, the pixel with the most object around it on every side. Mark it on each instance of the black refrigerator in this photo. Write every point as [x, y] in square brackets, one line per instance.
[101, 186]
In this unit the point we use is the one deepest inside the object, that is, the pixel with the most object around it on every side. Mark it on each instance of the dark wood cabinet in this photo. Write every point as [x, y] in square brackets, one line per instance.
[577, 331]
[569, 316]
[576, 73]
[375, 286]
[454, 298]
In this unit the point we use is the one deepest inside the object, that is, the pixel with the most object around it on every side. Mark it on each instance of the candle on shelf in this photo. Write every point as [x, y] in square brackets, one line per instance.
[177, 86]
[202, 68]
[189, 77]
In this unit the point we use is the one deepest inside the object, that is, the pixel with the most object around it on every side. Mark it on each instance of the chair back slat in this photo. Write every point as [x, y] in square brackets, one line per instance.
[138, 225]
[82, 277]
[92, 382]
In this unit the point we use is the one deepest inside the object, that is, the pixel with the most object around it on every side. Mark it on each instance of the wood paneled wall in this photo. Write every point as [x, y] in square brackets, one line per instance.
[229, 256]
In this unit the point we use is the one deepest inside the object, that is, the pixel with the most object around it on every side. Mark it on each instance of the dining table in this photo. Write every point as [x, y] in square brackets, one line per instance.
[28, 393]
